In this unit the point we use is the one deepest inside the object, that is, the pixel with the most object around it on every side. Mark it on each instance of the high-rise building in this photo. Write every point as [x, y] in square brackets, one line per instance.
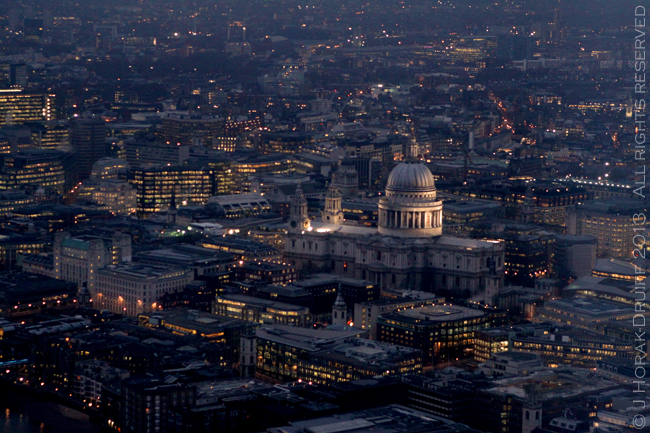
[610, 222]
[17, 75]
[34, 29]
[156, 186]
[43, 168]
[88, 141]
[140, 152]
[17, 106]
[188, 129]
[50, 135]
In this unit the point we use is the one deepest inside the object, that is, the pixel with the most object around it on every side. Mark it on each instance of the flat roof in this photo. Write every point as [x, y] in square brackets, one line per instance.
[305, 338]
[259, 302]
[440, 313]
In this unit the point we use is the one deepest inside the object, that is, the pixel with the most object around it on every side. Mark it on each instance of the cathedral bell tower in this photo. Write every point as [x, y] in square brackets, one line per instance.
[299, 218]
[333, 213]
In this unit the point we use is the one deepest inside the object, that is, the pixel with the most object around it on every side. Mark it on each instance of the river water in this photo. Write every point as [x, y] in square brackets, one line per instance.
[26, 414]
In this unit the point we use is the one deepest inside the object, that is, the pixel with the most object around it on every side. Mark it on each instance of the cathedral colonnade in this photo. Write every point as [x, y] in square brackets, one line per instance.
[407, 219]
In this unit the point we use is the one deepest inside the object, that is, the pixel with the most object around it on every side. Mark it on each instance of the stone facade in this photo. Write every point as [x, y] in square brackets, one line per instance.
[407, 250]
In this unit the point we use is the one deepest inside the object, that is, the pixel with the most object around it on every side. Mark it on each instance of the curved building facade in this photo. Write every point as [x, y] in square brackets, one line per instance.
[410, 207]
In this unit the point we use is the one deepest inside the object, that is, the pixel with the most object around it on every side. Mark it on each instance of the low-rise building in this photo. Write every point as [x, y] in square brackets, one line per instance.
[289, 354]
[387, 419]
[262, 311]
[443, 332]
[367, 313]
[508, 364]
[22, 294]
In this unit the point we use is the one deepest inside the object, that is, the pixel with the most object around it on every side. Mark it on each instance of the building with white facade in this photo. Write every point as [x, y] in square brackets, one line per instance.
[116, 196]
[133, 289]
[408, 248]
[78, 259]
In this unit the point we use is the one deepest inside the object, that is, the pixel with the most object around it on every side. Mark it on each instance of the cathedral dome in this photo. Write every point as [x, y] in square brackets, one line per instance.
[410, 207]
[411, 177]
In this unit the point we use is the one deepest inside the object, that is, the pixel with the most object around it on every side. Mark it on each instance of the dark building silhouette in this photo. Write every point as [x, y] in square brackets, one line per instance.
[87, 138]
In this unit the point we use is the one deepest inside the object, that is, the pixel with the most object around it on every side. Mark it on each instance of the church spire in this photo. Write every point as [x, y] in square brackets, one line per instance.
[339, 310]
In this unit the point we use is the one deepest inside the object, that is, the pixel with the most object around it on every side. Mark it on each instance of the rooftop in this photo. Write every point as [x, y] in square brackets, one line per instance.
[312, 340]
[261, 303]
[438, 313]
[387, 419]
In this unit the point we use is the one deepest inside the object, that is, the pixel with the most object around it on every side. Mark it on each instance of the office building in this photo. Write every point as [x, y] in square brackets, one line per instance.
[573, 256]
[610, 222]
[13, 199]
[24, 294]
[192, 129]
[17, 75]
[586, 313]
[115, 196]
[290, 354]
[17, 106]
[79, 258]
[262, 311]
[490, 341]
[511, 364]
[442, 332]
[54, 134]
[88, 141]
[204, 262]
[133, 289]
[49, 169]
[142, 153]
[366, 314]
[573, 346]
[190, 186]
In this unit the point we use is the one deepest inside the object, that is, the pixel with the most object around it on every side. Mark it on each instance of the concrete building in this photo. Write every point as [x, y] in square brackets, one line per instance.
[116, 196]
[78, 259]
[262, 311]
[610, 222]
[289, 354]
[132, 289]
[387, 419]
[88, 141]
[511, 364]
[139, 153]
[583, 312]
[366, 314]
[573, 255]
[443, 332]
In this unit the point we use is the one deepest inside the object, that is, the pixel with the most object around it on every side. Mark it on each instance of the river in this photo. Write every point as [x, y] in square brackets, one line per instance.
[23, 413]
